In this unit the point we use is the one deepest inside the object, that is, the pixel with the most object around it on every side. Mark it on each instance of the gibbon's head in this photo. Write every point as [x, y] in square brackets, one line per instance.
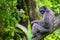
[42, 9]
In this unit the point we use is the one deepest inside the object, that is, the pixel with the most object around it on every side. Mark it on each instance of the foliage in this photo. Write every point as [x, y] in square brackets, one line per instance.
[24, 30]
[10, 17]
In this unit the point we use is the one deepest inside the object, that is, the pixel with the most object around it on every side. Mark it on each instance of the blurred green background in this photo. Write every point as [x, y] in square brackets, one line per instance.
[22, 12]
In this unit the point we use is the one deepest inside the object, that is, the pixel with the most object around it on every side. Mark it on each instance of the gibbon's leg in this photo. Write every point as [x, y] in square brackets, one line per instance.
[37, 28]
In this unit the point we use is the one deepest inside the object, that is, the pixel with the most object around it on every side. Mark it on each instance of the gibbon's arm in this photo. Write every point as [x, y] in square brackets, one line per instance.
[35, 21]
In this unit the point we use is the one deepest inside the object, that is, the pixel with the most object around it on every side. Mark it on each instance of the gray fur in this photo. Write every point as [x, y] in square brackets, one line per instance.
[45, 25]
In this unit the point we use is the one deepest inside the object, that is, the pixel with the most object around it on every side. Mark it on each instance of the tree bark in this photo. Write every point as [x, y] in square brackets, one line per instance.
[32, 13]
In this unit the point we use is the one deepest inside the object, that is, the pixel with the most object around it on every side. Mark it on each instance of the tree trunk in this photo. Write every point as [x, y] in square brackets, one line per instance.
[29, 11]
[32, 13]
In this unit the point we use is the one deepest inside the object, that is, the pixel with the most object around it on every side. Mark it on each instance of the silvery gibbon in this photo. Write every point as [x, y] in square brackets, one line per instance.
[46, 24]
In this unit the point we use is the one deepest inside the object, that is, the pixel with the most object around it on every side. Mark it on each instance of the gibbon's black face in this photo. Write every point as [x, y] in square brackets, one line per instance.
[42, 9]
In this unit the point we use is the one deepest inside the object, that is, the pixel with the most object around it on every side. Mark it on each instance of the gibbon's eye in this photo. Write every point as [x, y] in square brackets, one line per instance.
[42, 11]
